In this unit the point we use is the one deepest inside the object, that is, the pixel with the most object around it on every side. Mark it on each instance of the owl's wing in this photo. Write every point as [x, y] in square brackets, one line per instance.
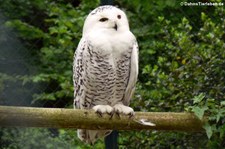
[79, 73]
[80, 65]
[133, 75]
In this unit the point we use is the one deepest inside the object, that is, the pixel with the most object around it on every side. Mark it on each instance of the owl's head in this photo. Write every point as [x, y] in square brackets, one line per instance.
[106, 18]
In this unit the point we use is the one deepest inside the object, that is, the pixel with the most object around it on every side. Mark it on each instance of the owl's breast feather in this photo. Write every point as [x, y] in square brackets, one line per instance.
[111, 42]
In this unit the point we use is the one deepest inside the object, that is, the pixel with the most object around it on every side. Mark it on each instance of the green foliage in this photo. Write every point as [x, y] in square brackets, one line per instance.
[215, 111]
[53, 39]
[179, 62]
[154, 139]
[26, 30]
[181, 67]
[27, 138]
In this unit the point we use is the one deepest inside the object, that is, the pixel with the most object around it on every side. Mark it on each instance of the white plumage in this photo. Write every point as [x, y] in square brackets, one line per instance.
[105, 67]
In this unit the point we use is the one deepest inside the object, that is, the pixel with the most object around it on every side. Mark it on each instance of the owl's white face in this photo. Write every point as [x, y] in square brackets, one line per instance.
[107, 18]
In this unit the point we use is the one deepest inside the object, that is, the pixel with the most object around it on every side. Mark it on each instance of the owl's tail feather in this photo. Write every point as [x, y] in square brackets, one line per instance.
[90, 136]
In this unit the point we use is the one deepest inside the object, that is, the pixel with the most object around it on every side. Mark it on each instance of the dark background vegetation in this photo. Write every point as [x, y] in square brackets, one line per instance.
[182, 67]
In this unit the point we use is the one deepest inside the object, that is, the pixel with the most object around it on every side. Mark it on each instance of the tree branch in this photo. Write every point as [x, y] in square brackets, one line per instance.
[88, 119]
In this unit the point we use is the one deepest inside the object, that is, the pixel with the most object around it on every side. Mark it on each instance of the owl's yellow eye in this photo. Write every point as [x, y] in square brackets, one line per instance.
[103, 19]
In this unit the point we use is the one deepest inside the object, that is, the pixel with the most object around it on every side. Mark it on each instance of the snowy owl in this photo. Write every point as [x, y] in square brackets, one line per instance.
[105, 67]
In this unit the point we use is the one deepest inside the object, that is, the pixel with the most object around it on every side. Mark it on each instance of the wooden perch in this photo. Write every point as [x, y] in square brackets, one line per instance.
[88, 119]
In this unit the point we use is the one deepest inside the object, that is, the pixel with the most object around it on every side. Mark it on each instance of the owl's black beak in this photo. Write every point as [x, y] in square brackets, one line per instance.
[115, 26]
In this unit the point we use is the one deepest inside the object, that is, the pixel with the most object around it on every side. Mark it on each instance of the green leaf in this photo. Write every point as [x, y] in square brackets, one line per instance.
[203, 16]
[222, 103]
[199, 112]
[199, 98]
[219, 115]
[222, 131]
[209, 130]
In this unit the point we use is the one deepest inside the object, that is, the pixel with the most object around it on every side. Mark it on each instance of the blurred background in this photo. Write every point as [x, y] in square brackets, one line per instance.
[182, 67]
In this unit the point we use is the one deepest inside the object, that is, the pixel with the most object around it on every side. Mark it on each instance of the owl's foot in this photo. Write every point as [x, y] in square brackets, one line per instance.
[101, 109]
[125, 110]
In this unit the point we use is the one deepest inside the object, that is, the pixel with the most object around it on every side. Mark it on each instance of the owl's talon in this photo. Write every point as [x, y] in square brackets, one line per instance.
[121, 109]
[118, 114]
[111, 115]
[99, 113]
[131, 115]
[101, 109]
